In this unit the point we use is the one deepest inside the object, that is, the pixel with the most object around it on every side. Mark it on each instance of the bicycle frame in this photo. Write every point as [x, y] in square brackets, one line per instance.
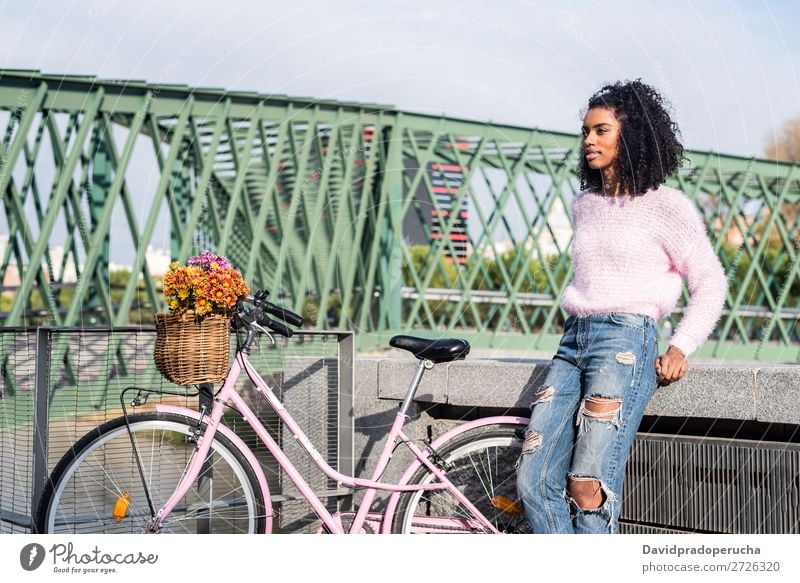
[229, 396]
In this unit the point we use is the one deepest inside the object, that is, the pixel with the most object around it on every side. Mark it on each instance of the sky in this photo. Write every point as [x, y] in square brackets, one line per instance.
[729, 69]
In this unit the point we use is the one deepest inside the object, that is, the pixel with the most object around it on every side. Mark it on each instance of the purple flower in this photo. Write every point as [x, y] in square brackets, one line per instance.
[208, 261]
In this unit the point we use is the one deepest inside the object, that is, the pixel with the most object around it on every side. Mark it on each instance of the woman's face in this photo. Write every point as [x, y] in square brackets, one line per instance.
[601, 131]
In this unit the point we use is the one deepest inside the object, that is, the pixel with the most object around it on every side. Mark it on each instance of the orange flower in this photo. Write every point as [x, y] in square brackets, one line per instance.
[203, 286]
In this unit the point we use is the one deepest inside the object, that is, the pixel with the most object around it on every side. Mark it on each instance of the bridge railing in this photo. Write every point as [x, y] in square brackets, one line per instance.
[338, 206]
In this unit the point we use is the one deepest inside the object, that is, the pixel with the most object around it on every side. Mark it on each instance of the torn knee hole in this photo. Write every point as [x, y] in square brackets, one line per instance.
[544, 394]
[597, 407]
[533, 441]
[587, 492]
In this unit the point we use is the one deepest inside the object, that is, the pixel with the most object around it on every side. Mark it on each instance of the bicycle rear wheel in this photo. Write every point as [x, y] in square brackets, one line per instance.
[483, 468]
[97, 486]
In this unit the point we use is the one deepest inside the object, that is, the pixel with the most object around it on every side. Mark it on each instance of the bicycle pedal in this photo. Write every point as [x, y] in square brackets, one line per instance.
[506, 505]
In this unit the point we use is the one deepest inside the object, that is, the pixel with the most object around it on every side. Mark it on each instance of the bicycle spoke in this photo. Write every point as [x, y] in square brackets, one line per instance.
[481, 467]
[93, 482]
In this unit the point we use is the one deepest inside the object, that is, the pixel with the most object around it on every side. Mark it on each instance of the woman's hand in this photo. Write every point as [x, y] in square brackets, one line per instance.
[671, 366]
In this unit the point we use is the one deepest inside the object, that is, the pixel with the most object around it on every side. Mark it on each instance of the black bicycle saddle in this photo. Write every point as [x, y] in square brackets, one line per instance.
[438, 350]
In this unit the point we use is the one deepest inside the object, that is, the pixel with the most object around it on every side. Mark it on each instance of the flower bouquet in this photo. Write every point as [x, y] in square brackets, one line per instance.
[193, 338]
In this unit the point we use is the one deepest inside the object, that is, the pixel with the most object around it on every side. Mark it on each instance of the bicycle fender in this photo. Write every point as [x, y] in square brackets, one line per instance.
[394, 499]
[240, 445]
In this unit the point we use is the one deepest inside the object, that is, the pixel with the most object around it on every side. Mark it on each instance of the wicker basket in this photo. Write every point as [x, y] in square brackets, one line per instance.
[189, 350]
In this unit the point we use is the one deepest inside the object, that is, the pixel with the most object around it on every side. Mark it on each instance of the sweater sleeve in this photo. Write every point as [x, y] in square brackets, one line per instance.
[694, 259]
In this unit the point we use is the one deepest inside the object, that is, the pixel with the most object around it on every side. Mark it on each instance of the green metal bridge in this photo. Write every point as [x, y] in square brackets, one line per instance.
[360, 215]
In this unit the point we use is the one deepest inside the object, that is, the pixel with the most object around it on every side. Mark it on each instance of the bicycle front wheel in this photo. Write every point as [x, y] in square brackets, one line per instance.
[97, 486]
[483, 468]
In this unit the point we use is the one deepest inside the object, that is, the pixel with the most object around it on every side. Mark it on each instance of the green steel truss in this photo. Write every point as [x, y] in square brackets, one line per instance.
[360, 215]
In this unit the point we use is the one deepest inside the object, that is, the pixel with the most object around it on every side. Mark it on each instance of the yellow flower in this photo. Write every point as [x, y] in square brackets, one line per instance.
[193, 288]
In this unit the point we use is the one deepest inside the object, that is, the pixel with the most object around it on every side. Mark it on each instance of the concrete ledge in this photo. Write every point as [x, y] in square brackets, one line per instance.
[394, 376]
[709, 391]
[740, 392]
[494, 383]
[778, 394]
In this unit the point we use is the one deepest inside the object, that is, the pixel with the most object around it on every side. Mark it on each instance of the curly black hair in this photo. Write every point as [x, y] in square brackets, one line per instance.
[648, 150]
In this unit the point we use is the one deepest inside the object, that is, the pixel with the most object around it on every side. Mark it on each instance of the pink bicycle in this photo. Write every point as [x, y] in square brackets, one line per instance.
[178, 470]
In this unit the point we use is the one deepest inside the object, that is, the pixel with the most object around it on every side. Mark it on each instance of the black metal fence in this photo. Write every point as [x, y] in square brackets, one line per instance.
[702, 484]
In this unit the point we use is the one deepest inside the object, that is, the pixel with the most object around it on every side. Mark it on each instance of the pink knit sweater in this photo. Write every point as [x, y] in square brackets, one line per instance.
[630, 253]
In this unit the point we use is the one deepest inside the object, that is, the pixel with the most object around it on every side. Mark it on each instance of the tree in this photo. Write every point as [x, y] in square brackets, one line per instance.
[785, 146]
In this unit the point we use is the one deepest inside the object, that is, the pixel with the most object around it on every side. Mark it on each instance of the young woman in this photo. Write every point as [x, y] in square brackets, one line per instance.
[635, 239]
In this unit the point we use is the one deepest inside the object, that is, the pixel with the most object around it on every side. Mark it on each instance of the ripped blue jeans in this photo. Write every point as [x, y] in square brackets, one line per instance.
[603, 359]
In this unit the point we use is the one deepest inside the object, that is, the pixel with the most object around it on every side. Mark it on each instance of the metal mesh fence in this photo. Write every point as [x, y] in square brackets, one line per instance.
[305, 370]
[86, 371]
[17, 368]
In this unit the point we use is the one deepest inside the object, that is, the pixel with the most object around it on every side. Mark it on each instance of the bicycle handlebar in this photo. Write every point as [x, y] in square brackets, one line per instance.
[280, 328]
[284, 314]
[264, 307]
